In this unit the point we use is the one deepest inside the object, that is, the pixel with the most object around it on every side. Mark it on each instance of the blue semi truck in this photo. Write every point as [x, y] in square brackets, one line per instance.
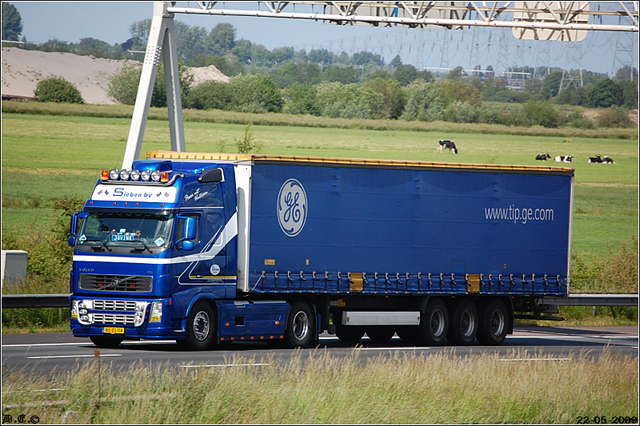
[212, 248]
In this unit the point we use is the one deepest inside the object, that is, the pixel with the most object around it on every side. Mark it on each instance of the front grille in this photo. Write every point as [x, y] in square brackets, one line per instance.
[113, 319]
[114, 305]
[126, 283]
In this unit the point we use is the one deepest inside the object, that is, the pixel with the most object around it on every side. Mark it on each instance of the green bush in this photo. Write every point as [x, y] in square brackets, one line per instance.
[57, 89]
[123, 86]
[49, 255]
[617, 273]
[301, 99]
[255, 94]
[540, 114]
[248, 144]
[349, 101]
[425, 102]
[614, 117]
[210, 95]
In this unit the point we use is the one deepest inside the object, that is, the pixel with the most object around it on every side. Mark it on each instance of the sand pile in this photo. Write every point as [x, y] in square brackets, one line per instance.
[23, 69]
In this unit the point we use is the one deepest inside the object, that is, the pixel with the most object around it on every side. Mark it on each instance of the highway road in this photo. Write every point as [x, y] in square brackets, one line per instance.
[43, 353]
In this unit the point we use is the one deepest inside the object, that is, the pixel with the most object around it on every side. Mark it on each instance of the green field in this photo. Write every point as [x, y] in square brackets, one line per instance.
[48, 156]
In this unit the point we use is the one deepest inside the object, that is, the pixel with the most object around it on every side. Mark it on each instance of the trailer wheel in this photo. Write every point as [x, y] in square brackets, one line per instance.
[494, 323]
[380, 334]
[350, 334]
[300, 325]
[464, 324]
[434, 323]
[105, 342]
[201, 326]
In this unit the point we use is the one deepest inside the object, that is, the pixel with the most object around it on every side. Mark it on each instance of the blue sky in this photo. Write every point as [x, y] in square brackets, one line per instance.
[110, 22]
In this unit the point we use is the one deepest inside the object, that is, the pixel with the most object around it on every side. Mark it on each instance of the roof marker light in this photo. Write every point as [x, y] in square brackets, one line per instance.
[104, 175]
[164, 177]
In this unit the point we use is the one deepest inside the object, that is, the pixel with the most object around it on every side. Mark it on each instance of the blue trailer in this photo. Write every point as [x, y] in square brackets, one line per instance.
[211, 248]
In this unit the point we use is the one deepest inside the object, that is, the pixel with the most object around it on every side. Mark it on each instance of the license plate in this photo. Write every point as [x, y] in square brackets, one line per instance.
[113, 330]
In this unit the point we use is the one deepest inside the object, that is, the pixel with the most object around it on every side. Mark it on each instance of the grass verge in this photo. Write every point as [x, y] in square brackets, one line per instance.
[519, 388]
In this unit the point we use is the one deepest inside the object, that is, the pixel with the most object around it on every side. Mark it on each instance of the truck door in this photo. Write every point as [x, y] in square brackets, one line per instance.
[209, 265]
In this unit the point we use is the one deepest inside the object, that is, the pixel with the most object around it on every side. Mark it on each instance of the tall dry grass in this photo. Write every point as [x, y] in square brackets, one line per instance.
[521, 387]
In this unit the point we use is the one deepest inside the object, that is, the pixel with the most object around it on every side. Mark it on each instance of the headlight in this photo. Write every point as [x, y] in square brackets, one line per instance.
[135, 174]
[156, 175]
[82, 309]
[124, 175]
[156, 312]
[145, 175]
[114, 174]
[141, 308]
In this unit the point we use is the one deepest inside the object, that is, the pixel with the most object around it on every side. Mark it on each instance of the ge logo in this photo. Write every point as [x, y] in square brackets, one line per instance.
[292, 207]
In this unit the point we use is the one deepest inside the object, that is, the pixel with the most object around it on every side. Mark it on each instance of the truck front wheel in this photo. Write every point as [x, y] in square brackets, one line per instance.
[494, 323]
[200, 327]
[300, 325]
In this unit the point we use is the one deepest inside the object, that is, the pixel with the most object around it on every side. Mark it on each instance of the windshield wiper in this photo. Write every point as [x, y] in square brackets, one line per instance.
[96, 246]
[145, 246]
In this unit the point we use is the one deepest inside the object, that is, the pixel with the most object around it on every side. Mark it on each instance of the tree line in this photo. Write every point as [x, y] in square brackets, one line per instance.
[362, 85]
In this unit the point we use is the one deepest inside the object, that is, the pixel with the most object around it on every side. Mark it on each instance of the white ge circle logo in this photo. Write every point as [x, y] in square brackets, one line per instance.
[292, 207]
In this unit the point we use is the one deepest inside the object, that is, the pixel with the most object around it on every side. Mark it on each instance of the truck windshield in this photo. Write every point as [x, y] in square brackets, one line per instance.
[125, 232]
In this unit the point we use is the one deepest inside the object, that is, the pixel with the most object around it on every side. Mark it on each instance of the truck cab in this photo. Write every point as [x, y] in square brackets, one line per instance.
[148, 245]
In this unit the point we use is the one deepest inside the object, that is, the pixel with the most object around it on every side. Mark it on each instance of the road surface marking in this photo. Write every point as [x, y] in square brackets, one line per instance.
[71, 356]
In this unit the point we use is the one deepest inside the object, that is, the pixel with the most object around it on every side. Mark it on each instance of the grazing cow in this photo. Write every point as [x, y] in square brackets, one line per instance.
[563, 159]
[595, 159]
[542, 157]
[607, 160]
[448, 145]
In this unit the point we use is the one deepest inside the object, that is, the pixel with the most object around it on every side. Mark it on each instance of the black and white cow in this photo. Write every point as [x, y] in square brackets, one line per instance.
[447, 145]
[607, 160]
[595, 159]
[563, 159]
[542, 157]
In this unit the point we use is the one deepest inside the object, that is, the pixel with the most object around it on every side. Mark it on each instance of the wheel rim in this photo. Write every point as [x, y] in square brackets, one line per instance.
[468, 323]
[300, 325]
[497, 322]
[201, 326]
[437, 323]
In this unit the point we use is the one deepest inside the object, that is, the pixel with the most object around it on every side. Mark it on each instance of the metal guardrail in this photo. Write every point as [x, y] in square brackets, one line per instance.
[62, 300]
[35, 301]
[593, 300]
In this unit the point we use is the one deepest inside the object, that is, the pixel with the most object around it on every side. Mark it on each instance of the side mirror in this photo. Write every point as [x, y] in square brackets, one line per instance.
[190, 227]
[73, 226]
[189, 230]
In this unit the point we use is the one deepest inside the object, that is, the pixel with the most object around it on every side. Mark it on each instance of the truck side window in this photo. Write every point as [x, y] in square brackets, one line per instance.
[180, 229]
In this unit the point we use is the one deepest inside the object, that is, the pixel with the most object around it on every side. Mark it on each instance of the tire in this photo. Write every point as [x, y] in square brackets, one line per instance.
[465, 321]
[300, 327]
[494, 323]
[380, 334]
[349, 334]
[201, 328]
[434, 323]
[106, 342]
